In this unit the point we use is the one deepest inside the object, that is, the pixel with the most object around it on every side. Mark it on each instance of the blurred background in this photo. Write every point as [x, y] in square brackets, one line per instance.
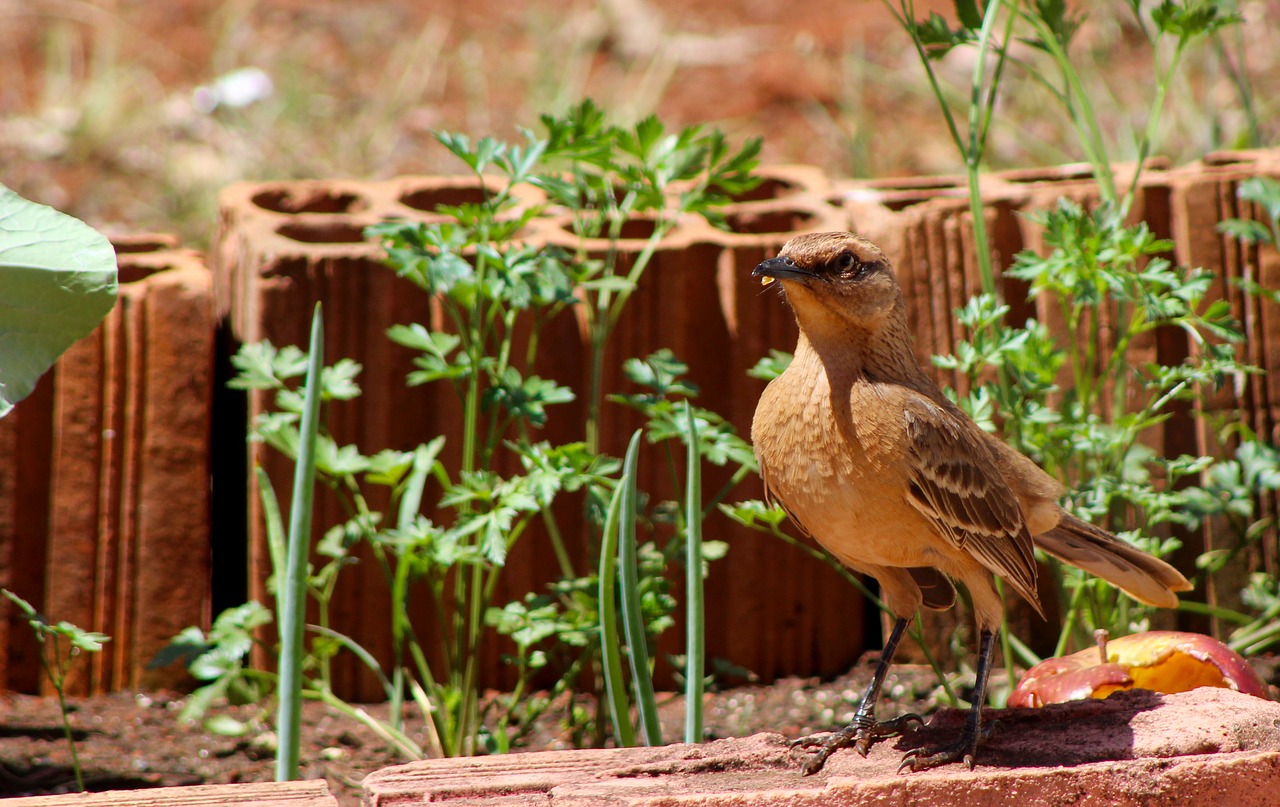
[132, 115]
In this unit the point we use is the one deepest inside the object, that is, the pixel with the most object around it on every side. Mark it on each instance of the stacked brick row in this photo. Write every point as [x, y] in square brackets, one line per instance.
[273, 263]
[104, 483]
[104, 479]
[283, 247]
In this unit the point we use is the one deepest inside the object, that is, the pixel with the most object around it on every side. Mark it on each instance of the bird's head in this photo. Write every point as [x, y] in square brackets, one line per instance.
[834, 280]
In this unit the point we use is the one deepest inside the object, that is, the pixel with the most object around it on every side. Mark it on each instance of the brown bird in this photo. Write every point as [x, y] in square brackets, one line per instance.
[869, 458]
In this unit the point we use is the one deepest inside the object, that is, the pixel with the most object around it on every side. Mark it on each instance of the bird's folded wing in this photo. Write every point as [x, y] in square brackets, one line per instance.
[956, 485]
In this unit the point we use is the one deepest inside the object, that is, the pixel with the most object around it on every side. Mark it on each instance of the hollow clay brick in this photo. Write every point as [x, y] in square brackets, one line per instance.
[70, 579]
[112, 527]
[272, 266]
[271, 281]
[169, 516]
[1204, 194]
[26, 438]
[284, 246]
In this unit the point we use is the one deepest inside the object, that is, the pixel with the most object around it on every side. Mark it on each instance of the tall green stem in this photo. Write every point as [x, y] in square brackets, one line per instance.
[58, 687]
[293, 606]
[982, 100]
[1079, 109]
[1152, 130]
[695, 622]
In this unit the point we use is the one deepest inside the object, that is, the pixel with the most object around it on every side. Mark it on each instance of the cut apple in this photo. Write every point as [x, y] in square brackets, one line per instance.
[1161, 661]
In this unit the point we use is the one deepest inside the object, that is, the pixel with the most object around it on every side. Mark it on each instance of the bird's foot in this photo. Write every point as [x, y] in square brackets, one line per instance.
[861, 734]
[964, 750]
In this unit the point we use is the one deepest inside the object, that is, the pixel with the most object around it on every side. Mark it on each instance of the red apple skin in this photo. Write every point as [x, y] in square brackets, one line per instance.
[1161, 661]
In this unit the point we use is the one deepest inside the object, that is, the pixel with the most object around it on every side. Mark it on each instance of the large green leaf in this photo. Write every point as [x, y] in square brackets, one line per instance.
[57, 282]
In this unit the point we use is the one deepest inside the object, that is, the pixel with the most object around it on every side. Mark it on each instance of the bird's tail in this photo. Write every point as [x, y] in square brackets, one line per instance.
[1100, 553]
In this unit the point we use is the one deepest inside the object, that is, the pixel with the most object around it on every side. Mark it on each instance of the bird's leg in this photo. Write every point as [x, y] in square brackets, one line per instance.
[966, 748]
[864, 731]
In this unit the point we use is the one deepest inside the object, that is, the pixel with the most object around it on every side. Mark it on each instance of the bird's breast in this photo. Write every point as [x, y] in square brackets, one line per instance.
[832, 469]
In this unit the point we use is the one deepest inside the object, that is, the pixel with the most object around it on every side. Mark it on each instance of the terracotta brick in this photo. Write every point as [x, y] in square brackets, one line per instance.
[283, 246]
[110, 530]
[26, 437]
[680, 304]
[272, 266]
[1135, 748]
[169, 474]
[71, 584]
[313, 793]
[1204, 194]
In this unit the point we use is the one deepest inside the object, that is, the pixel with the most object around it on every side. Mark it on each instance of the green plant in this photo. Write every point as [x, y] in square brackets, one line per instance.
[633, 621]
[219, 658]
[1081, 406]
[695, 555]
[1230, 491]
[1088, 432]
[59, 277]
[498, 295]
[620, 539]
[490, 513]
[1265, 193]
[993, 31]
[293, 602]
[59, 644]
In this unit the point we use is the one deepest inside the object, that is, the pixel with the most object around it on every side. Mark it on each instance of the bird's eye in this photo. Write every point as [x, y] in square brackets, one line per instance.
[846, 261]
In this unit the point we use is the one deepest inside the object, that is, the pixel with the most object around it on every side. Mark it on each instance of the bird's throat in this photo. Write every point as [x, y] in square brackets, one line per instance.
[848, 352]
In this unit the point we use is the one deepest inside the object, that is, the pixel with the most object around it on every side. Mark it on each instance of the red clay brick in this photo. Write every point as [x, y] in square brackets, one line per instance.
[312, 793]
[282, 248]
[1205, 746]
[116, 460]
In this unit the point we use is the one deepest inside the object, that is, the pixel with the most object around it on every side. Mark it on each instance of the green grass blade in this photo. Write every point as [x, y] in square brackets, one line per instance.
[695, 638]
[293, 588]
[632, 616]
[397, 740]
[358, 651]
[424, 459]
[610, 654]
[275, 526]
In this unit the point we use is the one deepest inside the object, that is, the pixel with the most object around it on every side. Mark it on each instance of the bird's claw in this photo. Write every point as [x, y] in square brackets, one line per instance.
[861, 734]
[918, 760]
[964, 750]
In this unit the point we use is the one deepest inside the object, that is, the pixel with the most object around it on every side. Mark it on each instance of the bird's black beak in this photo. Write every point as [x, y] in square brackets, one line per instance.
[782, 268]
